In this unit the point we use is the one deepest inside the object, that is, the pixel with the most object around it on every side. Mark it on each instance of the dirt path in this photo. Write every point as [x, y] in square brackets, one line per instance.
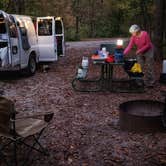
[90, 43]
[85, 129]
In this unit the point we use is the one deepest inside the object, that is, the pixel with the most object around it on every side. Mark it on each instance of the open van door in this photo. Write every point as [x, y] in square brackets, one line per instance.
[59, 33]
[9, 42]
[46, 39]
[14, 42]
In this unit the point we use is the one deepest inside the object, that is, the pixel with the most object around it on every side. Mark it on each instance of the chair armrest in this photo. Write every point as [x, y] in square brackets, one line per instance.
[48, 115]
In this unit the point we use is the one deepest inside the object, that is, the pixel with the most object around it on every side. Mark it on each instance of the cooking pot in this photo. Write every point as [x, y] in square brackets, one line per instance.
[128, 63]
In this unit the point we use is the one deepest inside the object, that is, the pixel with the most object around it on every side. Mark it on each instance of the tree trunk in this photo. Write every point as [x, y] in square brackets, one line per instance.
[158, 28]
[77, 28]
[164, 22]
[77, 19]
[143, 7]
[91, 18]
[20, 6]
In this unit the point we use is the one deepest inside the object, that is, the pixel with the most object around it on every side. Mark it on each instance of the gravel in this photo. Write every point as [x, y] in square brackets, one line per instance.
[85, 129]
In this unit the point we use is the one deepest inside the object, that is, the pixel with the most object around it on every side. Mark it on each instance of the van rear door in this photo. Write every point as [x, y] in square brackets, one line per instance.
[8, 41]
[46, 39]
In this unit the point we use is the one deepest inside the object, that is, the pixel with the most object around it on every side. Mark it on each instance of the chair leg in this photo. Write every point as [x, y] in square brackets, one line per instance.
[32, 147]
[43, 149]
[3, 157]
[36, 141]
[15, 153]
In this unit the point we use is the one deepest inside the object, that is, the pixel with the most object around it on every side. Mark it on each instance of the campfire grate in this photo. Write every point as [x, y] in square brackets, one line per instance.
[141, 116]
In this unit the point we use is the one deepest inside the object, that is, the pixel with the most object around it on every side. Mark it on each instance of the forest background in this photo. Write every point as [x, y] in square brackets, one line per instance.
[99, 18]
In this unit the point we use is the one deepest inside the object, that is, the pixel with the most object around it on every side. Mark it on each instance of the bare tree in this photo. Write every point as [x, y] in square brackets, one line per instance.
[76, 8]
[158, 28]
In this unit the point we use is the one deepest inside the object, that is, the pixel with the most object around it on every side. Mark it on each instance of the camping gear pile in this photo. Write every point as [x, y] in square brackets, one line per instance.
[114, 53]
[117, 56]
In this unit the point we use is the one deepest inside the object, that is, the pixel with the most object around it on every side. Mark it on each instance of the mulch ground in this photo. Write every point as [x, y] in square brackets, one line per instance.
[85, 129]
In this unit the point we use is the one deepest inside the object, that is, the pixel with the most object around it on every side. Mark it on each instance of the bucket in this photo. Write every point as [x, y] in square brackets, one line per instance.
[164, 67]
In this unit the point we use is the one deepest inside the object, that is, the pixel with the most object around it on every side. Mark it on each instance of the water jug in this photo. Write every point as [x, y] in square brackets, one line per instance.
[85, 62]
[79, 73]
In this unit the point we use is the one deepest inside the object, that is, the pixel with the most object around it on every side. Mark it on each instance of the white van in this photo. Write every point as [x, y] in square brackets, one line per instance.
[18, 43]
[50, 33]
[24, 43]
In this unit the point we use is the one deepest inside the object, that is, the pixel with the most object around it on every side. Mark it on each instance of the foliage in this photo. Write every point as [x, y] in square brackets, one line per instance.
[4, 4]
[88, 18]
[92, 18]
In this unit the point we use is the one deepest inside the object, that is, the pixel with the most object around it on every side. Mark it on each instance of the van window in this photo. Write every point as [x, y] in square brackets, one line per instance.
[24, 38]
[12, 30]
[2, 25]
[12, 27]
[2, 28]
[58, 27]
[45, 27]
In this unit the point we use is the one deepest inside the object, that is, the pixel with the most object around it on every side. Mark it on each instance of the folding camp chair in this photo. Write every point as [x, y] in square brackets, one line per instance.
[16, 128]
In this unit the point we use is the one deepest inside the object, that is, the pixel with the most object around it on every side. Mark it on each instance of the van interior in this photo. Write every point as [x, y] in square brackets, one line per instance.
[3, 32]
[45, 27]
[59, 37]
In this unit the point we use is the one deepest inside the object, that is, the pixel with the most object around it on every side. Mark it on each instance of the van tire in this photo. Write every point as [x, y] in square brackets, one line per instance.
[32, 66]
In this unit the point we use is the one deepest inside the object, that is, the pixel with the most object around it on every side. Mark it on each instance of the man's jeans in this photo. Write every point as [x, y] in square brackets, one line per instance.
[146, 60]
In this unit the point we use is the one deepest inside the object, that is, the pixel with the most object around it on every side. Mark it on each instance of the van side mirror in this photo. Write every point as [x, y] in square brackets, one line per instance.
[23, 31]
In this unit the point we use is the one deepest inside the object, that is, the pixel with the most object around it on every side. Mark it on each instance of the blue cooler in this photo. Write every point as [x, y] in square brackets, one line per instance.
[118, 54]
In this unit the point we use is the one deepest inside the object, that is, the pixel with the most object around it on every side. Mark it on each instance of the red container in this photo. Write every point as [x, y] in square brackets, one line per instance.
[110, 59]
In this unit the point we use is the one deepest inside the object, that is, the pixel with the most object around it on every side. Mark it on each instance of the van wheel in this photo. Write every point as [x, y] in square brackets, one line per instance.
[31, 69]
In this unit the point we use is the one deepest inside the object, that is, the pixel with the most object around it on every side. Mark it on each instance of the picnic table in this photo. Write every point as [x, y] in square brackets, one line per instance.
[106, 80]
[107, 73]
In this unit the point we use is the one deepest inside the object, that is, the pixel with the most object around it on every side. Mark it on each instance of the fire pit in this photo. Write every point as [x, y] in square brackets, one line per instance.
[141, 116]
